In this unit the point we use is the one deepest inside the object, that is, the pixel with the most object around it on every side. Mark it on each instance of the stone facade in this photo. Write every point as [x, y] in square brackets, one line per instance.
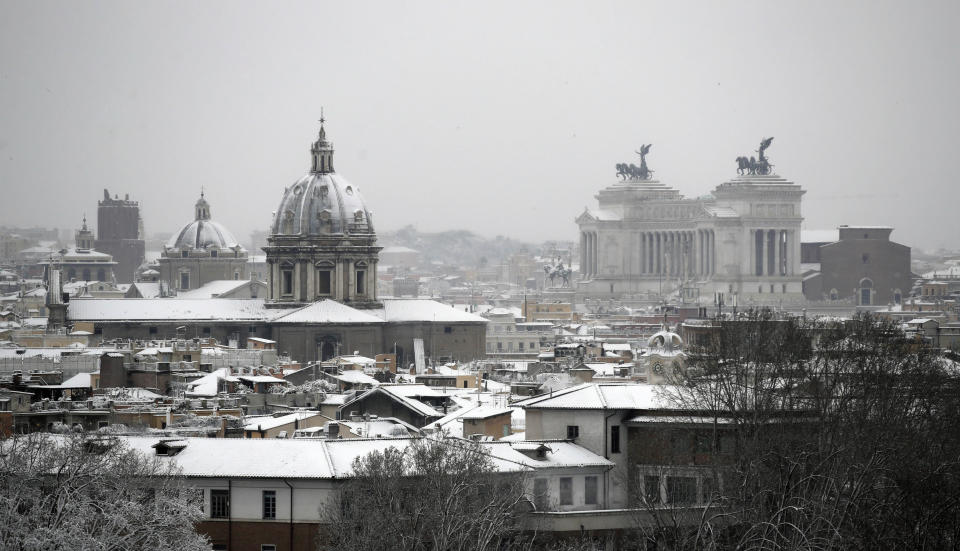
[864, 264]
[201, 252]
[647, 239]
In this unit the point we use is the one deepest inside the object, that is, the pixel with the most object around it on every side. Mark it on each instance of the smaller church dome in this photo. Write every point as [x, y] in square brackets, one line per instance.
[665, 340]
[203, 233]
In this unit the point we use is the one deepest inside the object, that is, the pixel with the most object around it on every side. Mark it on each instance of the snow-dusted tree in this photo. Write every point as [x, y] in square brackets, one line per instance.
[435, 494]
[826, 434]
[80, 492]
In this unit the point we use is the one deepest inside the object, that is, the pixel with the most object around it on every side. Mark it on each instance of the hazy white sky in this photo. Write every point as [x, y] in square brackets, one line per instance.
[497, 117]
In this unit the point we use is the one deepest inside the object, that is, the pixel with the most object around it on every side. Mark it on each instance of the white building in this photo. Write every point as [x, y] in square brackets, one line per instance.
[743, 239]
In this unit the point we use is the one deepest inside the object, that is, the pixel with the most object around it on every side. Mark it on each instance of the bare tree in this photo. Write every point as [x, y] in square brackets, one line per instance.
[78, 492]
[842, 434]
[434, 494]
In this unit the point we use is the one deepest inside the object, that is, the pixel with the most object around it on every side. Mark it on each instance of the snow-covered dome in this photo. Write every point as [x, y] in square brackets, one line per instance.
[203, 233]
[665, 340]
[322, 202]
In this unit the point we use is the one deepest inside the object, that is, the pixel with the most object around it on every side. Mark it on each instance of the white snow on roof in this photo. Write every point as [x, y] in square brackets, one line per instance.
[148, 289]
[603, 396]
[355, 376]
[720, 212]
[160, 309]
[398, 249]
[327, 311]
[214, 288]
[267, 423]
[417, 309]
[209, 384]
[80, 380]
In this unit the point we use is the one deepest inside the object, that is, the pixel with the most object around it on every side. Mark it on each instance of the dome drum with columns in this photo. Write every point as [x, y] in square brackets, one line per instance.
[322, 243]
[201, 252]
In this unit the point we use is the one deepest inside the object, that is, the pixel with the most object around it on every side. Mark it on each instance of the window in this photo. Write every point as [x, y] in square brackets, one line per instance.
[651, 488]
[681, 489]
[615, 439]
[361, 280]
[206, 330]
[520, 344]
[269, 504]
[590, 490]
[184, 254]
[153, 330]
[268, 547]
[213, 253]
[573, 432]
[219, 503]
[236, 276]
[323, 283]
[499, 346]
[447, 329]
[540, 497]
[184, 280]
[709, 489]
[865, 258]
[286, 287]
[566, 490]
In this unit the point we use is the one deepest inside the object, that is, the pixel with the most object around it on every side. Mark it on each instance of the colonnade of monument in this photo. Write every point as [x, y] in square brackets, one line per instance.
[774, 252]
[688, 253]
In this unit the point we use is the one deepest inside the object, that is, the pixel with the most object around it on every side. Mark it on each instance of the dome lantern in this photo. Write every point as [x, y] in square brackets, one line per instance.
[322, 151]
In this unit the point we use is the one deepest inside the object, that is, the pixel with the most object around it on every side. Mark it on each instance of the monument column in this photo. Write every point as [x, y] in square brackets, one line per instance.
[777, 252]
[763, 252]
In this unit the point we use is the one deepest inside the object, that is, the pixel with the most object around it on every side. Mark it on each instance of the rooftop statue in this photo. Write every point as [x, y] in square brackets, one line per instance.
[753, 165]
[633, 172]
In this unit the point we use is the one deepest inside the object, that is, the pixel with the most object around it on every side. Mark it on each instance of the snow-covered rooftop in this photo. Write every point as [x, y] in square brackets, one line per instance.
[602, 396]
[267, 423]
[417, 309]
[214, 288]
[159, 309]
[326, 311]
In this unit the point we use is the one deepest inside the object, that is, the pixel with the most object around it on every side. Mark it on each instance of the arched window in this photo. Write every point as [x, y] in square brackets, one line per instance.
[101, 275]
[86, 274]
[897, 296]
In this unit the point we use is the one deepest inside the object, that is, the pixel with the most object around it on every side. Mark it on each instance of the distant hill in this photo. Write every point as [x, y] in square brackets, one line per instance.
[455, 247]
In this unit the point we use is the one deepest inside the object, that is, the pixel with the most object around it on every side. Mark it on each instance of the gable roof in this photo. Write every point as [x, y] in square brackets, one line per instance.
[326, 311]
[418, 309]
[602, 396]
[401, 396]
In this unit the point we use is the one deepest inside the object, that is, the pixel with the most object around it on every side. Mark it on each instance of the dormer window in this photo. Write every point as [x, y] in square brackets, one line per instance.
[170, 447]
[184, 254]
[213, 253]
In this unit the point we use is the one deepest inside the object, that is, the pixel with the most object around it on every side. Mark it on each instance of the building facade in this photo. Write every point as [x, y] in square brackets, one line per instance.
[863, 264]
[646, 238]
[201, 252]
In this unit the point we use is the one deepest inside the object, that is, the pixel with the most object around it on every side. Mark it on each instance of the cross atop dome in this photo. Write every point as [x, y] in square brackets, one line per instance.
[322, 150]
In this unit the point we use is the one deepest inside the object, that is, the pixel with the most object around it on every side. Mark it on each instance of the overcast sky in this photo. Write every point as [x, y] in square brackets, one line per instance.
[497, 117]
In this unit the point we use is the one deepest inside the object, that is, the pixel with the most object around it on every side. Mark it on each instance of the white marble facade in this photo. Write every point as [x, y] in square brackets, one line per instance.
[742, 240]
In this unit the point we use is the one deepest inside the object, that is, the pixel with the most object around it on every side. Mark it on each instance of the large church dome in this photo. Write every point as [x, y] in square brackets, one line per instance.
[322, 202]
[203, 233]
